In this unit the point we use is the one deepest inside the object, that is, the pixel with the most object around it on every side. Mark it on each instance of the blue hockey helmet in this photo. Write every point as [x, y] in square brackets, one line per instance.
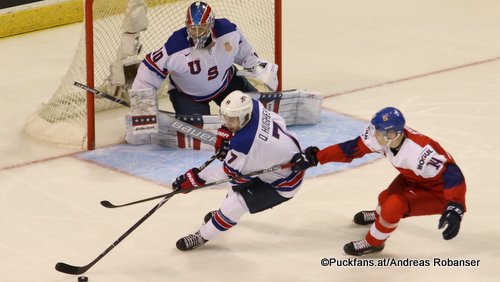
[200, 20]
[388, 119]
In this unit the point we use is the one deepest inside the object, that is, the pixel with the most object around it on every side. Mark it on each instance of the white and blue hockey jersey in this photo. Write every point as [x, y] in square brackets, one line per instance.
[262, 143]
[201, 74]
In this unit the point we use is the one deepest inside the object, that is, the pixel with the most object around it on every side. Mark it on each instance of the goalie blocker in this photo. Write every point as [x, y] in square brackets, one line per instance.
[297, 107]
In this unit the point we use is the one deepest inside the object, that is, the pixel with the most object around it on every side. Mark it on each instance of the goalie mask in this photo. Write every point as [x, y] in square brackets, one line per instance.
[236, 110]
[389, 122]
[199, 23]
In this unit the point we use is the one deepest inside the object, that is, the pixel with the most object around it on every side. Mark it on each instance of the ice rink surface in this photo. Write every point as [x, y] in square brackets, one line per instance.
[438, 61]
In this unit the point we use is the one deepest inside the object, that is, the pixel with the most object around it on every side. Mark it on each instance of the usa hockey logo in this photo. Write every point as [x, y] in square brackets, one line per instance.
[228, 47]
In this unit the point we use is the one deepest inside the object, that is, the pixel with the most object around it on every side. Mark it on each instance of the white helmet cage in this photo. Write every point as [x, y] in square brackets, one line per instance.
[237, 104]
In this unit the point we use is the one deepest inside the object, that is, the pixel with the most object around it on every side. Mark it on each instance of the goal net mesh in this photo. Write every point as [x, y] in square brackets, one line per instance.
[63, 118]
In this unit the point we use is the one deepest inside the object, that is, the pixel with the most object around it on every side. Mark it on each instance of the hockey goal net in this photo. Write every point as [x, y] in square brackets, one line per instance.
[68, 117]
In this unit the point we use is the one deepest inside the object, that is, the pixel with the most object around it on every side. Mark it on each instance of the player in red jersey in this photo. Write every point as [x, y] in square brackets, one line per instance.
[429, 180]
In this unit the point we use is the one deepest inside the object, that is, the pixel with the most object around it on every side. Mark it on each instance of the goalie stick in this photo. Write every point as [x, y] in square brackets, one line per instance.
[108, 204]
[76, 270]
[180, 126]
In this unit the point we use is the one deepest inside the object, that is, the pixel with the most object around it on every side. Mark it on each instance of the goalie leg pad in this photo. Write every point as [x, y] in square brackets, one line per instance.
[308, 107]
[172, 134]
[166, 135]
[143, 117]
[297, 107]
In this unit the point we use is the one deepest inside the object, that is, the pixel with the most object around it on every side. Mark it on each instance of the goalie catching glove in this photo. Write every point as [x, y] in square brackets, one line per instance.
[261, 71]
[451, 218]
[222, 142]
[188, 181]
[305, 160]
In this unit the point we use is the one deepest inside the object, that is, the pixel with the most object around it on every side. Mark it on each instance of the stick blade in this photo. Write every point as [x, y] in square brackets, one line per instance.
[70, 269]
[107, 204]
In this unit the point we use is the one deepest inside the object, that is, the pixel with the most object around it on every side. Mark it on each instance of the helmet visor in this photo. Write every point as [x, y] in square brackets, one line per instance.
[388, 134]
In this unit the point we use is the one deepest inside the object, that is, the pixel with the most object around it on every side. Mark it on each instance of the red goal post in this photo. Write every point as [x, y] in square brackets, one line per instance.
[68, 118]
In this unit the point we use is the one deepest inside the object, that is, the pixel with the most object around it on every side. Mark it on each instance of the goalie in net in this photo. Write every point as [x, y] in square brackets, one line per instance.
[199, 62]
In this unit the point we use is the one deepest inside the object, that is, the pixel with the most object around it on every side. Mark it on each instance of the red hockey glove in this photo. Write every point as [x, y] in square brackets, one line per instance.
[222, 142]
[188, 181]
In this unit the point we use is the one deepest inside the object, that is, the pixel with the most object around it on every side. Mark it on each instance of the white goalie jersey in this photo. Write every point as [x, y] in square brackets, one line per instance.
[200, 74]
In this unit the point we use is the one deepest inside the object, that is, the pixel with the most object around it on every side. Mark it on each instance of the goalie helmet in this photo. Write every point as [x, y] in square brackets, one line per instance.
[199, 23]
[236, 105]
[389, 119]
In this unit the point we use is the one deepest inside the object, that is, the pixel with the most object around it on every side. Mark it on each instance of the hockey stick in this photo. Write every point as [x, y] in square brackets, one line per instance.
[107, 96]
[108, 204]
[69, 269]
[209, 161]
[180, 126]
[75, 270]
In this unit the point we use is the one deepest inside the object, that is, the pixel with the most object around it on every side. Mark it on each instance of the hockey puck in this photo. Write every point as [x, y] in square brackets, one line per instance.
[83, 279]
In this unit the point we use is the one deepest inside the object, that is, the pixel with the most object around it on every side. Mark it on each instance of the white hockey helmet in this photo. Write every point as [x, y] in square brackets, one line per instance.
[237, 105]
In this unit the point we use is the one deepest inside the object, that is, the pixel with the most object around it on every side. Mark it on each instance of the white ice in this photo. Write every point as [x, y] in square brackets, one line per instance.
[438, 61]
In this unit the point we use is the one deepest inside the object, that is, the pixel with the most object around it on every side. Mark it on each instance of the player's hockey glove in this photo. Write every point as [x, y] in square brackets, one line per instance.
[451, 217]
[222, 142]
[188, 181]
[305, 160]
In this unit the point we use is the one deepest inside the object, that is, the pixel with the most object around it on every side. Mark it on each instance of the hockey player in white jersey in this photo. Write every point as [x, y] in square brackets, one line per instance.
[199, 61]
[429, 180]
[260, 140]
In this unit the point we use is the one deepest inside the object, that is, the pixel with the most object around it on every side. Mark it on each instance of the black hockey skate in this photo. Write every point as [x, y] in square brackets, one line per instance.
[361, 247]
[364, 217]
[191, 241]
[209, 216]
